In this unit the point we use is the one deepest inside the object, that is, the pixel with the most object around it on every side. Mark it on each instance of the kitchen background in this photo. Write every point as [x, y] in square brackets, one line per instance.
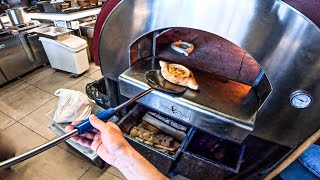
[44, 46]
[36, 36]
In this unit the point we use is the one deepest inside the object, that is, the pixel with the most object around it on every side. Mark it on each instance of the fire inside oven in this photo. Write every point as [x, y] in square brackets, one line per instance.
[232, 88]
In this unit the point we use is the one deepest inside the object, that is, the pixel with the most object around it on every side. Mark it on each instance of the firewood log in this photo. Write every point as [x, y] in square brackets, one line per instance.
[180, 135]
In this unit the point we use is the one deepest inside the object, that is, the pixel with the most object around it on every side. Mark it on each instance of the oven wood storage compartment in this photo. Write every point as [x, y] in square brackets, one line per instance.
[161, 160]
[213, 157]
[197, 148]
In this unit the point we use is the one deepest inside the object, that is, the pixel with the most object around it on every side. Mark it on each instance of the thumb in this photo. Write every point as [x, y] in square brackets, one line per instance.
[97, 123]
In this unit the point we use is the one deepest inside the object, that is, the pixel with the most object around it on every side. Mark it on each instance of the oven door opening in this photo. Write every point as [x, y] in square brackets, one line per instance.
[232, 84]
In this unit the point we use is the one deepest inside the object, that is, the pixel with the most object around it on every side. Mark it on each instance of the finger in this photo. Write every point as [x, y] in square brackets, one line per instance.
[97, 136]
[81, 140]
[68, 128]
[88, 135]
[97, 123]
[109, 123]
[75, 138]
[84, 142]
[96, 143]
[73, 123]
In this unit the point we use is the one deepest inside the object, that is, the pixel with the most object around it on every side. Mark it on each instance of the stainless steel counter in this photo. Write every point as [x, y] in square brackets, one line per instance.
[20, 53]
[14, 60]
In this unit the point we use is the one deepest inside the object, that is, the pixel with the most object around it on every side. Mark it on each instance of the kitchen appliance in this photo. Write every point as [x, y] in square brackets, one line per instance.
[14, 61]
[46, 6]
[39, 56]
[28, 25]
[257, 77]
[18, 16]
[72, 56]
[87, 29]
[54, 33]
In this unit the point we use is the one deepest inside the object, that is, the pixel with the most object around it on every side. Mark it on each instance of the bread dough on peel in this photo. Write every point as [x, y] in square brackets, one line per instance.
[178, 74]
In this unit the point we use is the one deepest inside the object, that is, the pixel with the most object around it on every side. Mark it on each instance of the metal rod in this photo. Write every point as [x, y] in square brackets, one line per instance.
[48, 145]
[37, 150]
[130, 101]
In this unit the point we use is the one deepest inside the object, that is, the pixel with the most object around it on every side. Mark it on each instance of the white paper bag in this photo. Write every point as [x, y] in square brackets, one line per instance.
[72, 106]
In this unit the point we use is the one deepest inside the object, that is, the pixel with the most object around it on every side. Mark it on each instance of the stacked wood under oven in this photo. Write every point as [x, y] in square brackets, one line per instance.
[162, 133]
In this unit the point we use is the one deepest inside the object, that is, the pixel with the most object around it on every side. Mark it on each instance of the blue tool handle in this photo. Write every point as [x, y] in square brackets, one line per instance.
[85, 125]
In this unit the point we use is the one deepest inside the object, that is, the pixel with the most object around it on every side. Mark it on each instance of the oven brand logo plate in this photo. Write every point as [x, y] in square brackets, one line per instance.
[175, 111]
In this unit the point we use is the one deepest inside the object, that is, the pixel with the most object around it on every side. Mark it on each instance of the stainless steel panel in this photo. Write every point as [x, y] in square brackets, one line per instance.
[27, 49]
[87, 29]
[54, 32]
[14, 60]
[37, 49]
[284, 42]
[18, 15]
[229, 112]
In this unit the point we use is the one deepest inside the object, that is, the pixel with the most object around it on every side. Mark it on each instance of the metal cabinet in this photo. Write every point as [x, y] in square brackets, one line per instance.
[40, 56]
[13, 59]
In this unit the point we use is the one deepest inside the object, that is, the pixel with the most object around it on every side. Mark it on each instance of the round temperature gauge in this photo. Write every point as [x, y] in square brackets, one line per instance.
[300, 99]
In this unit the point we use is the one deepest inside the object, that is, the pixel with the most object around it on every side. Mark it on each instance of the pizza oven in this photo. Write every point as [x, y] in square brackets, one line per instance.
[254, 61]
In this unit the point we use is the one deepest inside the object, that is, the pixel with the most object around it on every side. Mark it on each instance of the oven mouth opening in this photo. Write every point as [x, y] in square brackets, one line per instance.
[213, 56]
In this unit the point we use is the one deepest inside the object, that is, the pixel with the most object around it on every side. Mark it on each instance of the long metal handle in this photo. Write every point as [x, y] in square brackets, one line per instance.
[37, 150]
[81, 129]
[130, 101]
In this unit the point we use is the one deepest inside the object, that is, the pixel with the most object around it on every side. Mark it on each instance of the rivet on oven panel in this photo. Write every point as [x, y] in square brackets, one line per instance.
[300, 99]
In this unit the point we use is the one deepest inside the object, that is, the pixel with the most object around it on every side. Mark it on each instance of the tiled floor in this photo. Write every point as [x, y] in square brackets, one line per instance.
[23, 126]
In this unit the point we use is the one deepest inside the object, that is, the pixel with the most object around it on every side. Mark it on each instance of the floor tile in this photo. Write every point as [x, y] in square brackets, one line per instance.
[38, 122]
[113, 170]
[92, 68]
[5, 121]
[81, 85]
[38, 74]
[24, 102]
[55, 163]
[66, 147]
[96, 75]
[56, 81]
[96, 173]
[18, 139]
[12, 88]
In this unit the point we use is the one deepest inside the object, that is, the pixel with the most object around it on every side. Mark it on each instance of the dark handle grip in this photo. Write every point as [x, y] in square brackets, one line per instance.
[85, 125]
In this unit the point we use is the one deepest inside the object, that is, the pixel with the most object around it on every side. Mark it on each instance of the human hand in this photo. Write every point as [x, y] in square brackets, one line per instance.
[106, 139]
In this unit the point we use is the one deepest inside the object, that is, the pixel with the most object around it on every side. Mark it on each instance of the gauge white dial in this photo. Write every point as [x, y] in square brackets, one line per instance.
[300, 100]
